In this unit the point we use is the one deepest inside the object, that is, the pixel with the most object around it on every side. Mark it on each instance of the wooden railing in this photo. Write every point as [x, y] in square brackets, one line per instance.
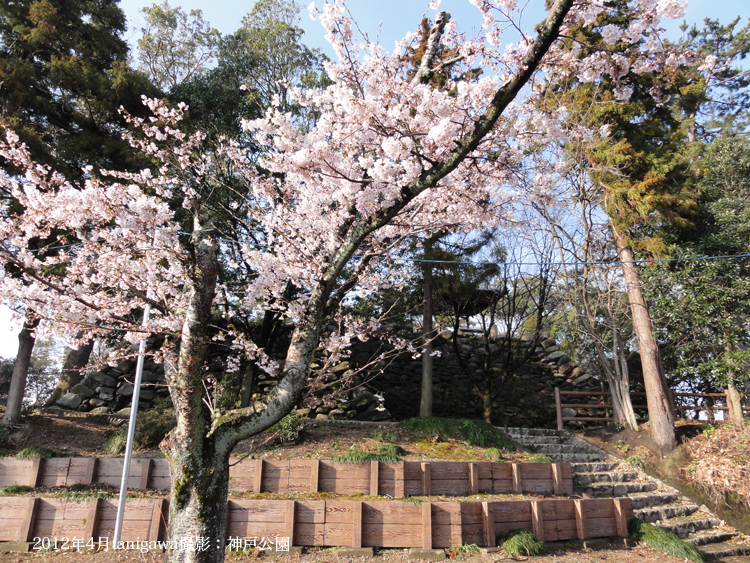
[608, 407]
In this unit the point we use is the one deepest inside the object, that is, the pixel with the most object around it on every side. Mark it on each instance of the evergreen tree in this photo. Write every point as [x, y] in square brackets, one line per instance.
[63, 76]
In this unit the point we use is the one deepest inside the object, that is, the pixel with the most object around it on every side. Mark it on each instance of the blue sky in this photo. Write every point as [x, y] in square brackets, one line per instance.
[394, 18]
[389, 20]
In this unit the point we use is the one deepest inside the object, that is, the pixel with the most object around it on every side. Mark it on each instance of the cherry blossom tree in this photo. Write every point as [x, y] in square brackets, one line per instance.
[322, 211]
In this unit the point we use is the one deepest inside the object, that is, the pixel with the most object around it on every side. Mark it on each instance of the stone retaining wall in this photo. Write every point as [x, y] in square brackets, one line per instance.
[390, 389]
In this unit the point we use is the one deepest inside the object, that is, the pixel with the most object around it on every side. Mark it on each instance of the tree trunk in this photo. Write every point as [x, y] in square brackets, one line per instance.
[623, 406]
[619, 386]
[198, 499]
[247, 385]
[734, 403]
[487, 407]
[660, 411]
[26, 339]
[425, 405]
[71, 373]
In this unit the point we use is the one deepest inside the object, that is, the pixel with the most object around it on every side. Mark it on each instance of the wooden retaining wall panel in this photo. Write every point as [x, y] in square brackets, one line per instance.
[329, 523]
[309, 526]
[391, 524]
[255, 511]
[275, 476]
[512, 515]
[60, 518]
[79, 471]
[54, 472]
[344, 486]
[600, 518]
[160, 479]
[449, 487]
[300, 472]
[344, 478]
[136, 521]
[449, 471]
[391, 535]
[472, 527]
[18, 471]
[339, 523]
[446, 524]
[242, 475]
[339, 519]
[12, 524]
[109, 472]
[394, 479]
[387, 512]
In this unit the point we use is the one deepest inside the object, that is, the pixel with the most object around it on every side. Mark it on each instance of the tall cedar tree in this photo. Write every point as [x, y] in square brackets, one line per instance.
[642, 169]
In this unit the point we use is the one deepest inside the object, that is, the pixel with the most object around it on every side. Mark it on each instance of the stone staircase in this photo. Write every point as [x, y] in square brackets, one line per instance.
[597, 475]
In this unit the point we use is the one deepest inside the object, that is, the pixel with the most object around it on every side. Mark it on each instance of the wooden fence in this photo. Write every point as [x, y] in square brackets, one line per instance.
[605, 404]
[328, 523]
[398, 480]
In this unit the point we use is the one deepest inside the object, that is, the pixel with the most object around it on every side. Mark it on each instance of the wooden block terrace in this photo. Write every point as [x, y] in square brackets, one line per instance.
[396, 524]
[343, 523]
[398, 480]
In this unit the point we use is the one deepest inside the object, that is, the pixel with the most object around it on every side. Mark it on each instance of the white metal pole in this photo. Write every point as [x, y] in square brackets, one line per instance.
[131, 432]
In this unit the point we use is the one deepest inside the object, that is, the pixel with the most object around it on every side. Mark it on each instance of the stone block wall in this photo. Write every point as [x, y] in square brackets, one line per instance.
[389, 389]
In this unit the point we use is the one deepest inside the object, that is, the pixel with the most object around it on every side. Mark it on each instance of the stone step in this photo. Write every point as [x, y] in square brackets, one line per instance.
[604, 490]
[719, 551]
[666, 511]
[685, 526]
[644, 500]
[576, 458]
[592, 467]
[551, 449]
[523, 440]
[582, 479]
[711, 536]
[734, 559]
[515, 431]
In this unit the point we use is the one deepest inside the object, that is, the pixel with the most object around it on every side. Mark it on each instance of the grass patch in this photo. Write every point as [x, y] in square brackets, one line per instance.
[153, 425]
[638, 460]
[414, 500]
[494, 454]
[35, 452]
[15, 490]
[461, 551]
[115, 442]
[522, 543]
[82, 492]
[540, 458]
[474, 432]
[666, 542]
[393, 450]
[360, 456]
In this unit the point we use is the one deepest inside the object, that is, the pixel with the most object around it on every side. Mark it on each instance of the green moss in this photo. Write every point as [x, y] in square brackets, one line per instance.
[34, 452]
[522, 543]
[540, 458]
[666, 542]
[82, 492]
[474, 432]
[15, 490]
[360, 456]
